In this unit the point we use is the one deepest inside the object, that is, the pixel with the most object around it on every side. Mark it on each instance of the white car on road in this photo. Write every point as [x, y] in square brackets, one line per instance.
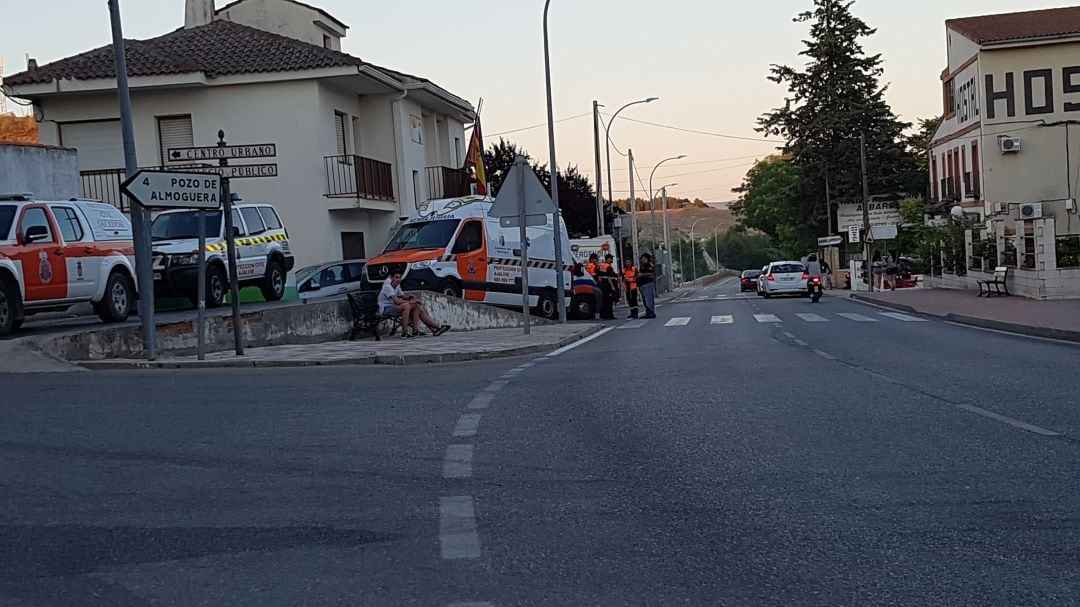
[785, 278]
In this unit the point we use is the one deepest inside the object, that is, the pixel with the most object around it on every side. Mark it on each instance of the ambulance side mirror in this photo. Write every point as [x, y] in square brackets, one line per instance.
[35, 233]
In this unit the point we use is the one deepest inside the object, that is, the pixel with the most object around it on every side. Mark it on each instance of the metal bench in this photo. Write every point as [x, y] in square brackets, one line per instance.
[367, 318]
[997, 285]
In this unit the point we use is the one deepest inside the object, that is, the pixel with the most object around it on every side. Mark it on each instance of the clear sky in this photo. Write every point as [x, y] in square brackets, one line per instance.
[706, 59]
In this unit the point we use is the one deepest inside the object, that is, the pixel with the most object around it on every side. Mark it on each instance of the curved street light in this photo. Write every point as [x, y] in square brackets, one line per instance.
[607, 135]
[652, 196]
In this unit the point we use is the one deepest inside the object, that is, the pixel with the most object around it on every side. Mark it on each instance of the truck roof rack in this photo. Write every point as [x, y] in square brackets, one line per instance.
[20, 196]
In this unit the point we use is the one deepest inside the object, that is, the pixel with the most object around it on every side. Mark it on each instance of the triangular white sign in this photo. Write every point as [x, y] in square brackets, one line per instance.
[537, 200]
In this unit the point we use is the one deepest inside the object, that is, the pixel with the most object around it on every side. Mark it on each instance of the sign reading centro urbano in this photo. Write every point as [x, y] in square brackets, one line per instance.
[881, 214]
[165, 190]
[225, 152]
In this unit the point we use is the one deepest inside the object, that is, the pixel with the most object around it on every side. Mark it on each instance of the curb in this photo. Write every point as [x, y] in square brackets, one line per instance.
[371, 359]
[980, 323]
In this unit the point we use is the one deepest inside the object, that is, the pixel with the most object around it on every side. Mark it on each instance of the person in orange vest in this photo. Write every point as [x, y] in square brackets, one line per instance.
[609, 288]
[593, 267]
[630, 284]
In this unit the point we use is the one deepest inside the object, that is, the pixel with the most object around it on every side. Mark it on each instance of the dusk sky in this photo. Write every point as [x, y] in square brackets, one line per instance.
[707, 61]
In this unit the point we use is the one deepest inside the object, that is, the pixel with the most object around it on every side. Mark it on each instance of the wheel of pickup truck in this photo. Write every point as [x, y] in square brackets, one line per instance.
[10, 307]
[119, 298]
[216, 286]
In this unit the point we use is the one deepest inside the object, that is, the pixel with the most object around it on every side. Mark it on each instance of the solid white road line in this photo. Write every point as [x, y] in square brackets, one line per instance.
[680, 321]
[856, 317]
[580, 342]
[634, 324]
[903, 317]
[458, 462]
[1013, 334]
[723, 320]
[496, 385]
[481, 401]
[764, 318]
[801, 343]
[1008, 420]
[467, 424]
[457, 528]
[812, 318]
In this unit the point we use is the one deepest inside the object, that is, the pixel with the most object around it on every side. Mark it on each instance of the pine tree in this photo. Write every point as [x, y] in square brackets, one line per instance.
[836, 97]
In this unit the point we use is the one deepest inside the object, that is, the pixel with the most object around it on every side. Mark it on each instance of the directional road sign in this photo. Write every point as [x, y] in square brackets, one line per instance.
[226, 152]
[165, 190]
[238, 171]
[830, 241]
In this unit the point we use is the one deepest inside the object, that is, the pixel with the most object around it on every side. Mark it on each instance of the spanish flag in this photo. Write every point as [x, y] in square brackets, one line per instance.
[475, 159]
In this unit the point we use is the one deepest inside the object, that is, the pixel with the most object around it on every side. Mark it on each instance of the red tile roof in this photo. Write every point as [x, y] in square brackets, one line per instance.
[217, 49]
[1028, 25]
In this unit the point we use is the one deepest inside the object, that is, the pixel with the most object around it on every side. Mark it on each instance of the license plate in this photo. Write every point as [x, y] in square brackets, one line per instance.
[157, 275]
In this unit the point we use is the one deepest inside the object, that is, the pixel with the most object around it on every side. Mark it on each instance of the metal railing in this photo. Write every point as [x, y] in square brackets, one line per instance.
[445, 182]
[351, 176]
[104, 185]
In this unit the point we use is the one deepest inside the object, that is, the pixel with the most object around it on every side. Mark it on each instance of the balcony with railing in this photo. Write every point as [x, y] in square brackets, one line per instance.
[950, 190]
[971, 186]
[445, 182]
[351, 176]
[104, 185]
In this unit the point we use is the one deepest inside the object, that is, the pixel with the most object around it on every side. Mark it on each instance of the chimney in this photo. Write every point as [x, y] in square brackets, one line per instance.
[31, 64]
[198, 13]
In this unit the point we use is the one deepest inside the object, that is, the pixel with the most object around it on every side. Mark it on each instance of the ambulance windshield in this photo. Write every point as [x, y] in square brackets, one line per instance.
[423, 235]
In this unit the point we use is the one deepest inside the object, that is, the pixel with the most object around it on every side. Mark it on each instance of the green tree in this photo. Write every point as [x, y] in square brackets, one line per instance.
[833, 99]
[768, 201]
[918, 144]
[577, 198]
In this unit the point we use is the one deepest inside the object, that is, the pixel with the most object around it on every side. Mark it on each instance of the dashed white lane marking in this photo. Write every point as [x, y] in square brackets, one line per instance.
[903, 317]
[457, 528]
[812, 318]
[497, 385]
[824, 355]
[458, 462]
[801, 343]
[580, 342]
[514, 371]
[634, 324]
[789, 335]
[856, 317]
[524, 366]
[765, 318]
[467, 424]
[679, 321]
[1008, 420]
[481, 401]
[722, 320]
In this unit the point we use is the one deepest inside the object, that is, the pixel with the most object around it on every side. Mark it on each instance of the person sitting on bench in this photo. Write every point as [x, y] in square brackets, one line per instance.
[394, 302]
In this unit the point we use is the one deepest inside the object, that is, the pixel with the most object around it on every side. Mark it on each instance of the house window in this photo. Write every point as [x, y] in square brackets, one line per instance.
[352, 245]
[416, 188]
[327, 42]
[1068, 251]
[950, 97]
[416, 129]
[174, 132]
[976, 186]
[339, 134]
[1027, 248]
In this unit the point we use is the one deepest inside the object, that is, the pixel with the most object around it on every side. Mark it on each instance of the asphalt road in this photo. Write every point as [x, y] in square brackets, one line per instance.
[843, 457]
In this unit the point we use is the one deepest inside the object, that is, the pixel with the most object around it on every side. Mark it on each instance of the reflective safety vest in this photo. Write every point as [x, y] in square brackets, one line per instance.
[590, 268]
[630, 274]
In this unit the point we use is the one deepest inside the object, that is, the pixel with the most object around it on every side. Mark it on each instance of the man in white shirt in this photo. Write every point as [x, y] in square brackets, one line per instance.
[394, 302]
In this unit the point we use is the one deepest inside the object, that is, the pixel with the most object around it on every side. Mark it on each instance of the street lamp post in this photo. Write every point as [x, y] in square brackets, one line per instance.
[716, 247]
[607, 135]
[669, 276]
[557, 220]
[693, 247]
[652, 195]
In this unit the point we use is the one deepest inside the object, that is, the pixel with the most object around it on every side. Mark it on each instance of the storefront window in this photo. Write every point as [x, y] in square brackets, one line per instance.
[1068, 251]
[1008, 256]
[1027, 251]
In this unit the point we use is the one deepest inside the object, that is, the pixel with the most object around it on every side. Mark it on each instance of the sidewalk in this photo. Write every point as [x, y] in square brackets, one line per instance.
[1053, 319]
[452, 347]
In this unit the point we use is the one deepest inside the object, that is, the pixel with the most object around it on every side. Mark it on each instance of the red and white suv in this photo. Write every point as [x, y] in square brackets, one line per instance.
[54, 254]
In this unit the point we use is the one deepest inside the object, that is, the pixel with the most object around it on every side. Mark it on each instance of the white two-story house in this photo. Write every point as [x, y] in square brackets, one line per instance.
[1008, 149]
[358, 146]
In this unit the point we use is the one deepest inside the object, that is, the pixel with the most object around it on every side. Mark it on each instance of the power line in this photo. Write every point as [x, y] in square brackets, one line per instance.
[696, 132]
[700, 162]
[734, 166]
[536, 126]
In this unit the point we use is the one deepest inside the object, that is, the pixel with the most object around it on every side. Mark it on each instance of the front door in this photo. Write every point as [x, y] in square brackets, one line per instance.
[472, 259]
[81, 254]
[43, 261]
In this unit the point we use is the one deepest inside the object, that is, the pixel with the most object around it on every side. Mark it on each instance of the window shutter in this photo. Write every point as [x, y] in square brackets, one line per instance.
[174, 132]
[339, 132]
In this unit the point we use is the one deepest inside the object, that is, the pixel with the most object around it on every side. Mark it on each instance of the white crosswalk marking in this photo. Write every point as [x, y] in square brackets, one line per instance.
[634, 324]
[763, 318]
[722, 320]
[856, 317]
[903, 317]
[812, 318]
[680, 321]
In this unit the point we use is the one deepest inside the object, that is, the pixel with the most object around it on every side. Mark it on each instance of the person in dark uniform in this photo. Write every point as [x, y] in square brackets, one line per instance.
[646, 280]
[609, 286]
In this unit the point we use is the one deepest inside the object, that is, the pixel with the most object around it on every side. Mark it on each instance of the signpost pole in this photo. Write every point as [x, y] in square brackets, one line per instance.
[140, 219]
[524, 245]
[201, 319]
[866, 215]
[230, 242]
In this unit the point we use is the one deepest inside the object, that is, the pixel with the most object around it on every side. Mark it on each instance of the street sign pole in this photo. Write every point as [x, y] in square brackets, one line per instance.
[140, 218]
[230, 242]
[201, 319]
[524, 244]
[866, 215]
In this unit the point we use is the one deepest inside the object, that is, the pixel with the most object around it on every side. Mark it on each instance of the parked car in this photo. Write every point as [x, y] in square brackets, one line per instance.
[748, 280]
[785, 278]
[761, 281]
[264, 257]
[330, 279]
[54, 254]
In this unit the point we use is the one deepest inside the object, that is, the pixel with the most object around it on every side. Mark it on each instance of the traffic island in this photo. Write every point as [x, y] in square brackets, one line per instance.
[451, 347]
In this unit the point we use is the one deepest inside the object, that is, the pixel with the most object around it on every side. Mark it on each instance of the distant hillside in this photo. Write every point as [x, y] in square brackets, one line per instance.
[680, 221]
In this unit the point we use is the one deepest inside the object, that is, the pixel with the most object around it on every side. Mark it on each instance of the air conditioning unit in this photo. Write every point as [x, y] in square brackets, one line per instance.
[1032, 210]
[1009, 145]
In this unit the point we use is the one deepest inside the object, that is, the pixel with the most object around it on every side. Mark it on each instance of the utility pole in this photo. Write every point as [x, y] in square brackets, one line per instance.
[667, 245]
[560, 270]
[140, 218]
[866, 215]
[633, 209]
[599, 187]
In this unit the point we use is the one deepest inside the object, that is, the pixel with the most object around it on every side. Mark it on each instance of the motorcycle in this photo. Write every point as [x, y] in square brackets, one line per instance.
[813, 286]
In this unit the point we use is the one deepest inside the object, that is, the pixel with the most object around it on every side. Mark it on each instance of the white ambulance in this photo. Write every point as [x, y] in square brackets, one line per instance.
[451, 246]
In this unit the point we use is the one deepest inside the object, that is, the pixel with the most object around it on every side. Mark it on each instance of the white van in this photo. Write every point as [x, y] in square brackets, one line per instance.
[453, 247]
